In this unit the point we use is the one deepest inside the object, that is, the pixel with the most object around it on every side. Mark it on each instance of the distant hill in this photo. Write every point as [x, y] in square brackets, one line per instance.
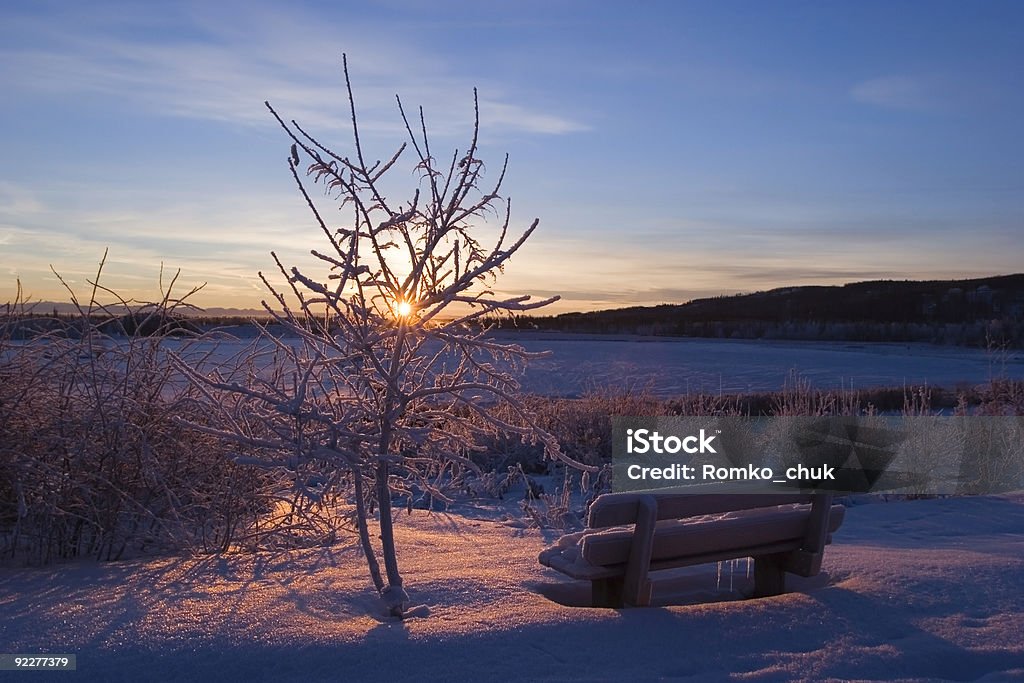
[965, 312]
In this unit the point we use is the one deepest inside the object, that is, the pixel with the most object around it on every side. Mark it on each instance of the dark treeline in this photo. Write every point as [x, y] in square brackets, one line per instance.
[132, 324]
[980, 312]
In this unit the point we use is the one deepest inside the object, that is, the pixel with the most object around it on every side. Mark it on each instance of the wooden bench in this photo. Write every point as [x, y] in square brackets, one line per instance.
[629, 535]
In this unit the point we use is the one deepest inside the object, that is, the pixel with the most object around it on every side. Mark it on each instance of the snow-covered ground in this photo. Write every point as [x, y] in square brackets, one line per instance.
[666, 367]
[673, 366]
[920, 590]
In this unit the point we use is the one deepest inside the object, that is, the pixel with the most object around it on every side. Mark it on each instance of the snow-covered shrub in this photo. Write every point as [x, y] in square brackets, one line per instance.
[582, 426]
[391, 379]
[94, 461]
[1002, 396]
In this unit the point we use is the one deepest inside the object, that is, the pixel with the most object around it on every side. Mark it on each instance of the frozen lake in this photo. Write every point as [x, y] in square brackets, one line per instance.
[665, 366]
[672, 366]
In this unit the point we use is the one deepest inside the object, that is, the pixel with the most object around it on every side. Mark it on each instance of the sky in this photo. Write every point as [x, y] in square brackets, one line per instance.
[671, 150]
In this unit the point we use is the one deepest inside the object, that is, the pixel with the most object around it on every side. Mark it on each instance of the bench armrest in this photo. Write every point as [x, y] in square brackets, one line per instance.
[637, 585]
[807, 560]
[817, 525]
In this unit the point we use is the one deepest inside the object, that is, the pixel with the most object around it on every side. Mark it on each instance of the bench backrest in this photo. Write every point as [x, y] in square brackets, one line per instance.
[616, 509]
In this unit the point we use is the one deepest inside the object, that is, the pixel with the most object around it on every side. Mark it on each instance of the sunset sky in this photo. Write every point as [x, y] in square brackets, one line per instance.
[670, 149]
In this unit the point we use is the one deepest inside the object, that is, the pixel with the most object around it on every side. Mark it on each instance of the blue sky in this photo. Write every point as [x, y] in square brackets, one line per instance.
[670, 149]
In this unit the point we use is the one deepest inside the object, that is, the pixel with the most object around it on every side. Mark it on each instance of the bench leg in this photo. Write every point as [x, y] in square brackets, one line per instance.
[606, 592]
[769, 575]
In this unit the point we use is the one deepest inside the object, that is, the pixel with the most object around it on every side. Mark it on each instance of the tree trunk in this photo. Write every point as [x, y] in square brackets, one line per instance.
[394, 595]
[364, 532]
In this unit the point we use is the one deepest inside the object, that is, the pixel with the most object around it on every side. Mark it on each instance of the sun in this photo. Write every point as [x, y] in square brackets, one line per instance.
[403, 309]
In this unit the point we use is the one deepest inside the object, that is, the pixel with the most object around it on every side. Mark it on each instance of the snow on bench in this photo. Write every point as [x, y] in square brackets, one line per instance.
[629, 535]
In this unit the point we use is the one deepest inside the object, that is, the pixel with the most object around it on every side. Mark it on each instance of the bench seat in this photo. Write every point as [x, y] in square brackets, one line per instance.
[786, 537]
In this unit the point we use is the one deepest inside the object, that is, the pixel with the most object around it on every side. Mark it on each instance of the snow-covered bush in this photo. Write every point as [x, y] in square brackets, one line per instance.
[390, 378]
[94, 461]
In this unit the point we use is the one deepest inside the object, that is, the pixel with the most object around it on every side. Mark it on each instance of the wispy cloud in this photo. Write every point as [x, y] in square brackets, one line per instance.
[220, 64]
[16, 199]
[901, 92]
[222, 241]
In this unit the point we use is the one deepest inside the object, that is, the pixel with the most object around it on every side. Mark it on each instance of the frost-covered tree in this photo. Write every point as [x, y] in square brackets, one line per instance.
[394, 378]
